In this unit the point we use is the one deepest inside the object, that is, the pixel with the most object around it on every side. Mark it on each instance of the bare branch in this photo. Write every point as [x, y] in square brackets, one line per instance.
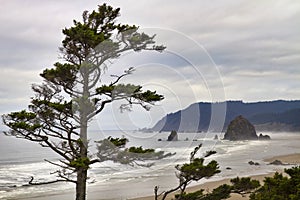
[31, 183]
[103, 103]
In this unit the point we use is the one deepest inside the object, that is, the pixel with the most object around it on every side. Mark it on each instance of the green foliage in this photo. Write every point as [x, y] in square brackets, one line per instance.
[196, 170]
[62, 74]
[129, 91]
[221, 192]
[190, 196]
[239, 185]
[22, 121]
[126, 90]
[192, 171]
[280, 187]
[118, 142]
[140, 150]
[244, 184]
[24, 126]
[96, 28]
[105, 89]
[81, 162]
[294, 173]
[209, 153]
[148, 96]
[61, 107]
[114, 149]
[94, 34]
[22, 115]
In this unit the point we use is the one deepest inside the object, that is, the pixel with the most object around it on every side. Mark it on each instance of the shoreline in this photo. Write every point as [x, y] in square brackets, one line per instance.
[291, 159]
[95, 193]
[209, 186]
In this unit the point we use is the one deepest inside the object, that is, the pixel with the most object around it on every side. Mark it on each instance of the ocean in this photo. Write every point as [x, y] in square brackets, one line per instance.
[22, 159]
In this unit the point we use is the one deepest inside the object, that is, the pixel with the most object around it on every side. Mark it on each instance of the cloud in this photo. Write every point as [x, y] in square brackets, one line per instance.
[216, 50]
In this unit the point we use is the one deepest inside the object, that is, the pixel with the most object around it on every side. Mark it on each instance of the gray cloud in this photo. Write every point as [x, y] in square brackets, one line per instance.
[254, 45]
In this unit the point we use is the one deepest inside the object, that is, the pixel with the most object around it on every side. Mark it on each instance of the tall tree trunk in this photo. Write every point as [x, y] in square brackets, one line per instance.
[82, 170]
[84, 108]
[81, 184]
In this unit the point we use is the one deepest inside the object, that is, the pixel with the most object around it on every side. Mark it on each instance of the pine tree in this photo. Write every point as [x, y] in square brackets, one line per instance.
[72, 92]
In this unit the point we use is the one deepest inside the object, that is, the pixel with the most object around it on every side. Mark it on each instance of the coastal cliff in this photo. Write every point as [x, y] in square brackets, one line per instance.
[276, 115]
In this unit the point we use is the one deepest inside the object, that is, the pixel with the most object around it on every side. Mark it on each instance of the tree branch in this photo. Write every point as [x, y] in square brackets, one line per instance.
[31, 183]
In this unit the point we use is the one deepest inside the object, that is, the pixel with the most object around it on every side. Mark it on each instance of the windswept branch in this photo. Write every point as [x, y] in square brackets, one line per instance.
[114, 149]
[31, 183]
[195, 170]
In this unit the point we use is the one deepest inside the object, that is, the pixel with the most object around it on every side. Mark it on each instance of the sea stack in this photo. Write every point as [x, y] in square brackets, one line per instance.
[173, 136]
[240, 129]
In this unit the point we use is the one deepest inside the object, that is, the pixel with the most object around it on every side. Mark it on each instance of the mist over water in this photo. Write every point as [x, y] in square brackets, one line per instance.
[21, 159]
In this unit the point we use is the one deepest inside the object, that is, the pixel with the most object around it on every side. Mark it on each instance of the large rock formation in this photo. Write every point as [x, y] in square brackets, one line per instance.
[240, 129]
[173, 136]
[266, 116]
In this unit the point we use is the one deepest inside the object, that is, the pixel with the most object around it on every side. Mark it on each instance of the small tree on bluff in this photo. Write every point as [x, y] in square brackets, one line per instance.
[72, 92]
[195, 170]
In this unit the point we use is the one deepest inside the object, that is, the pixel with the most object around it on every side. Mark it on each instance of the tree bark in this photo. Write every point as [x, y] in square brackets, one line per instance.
[81, 184]
[82, 170]
[84, 112]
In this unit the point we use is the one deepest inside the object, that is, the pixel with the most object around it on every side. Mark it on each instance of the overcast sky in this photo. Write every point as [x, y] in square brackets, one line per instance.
[216, 51]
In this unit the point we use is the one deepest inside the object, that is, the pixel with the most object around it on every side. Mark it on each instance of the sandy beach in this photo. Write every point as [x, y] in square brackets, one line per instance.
[209, 186]
[95, 194]
[287, 159]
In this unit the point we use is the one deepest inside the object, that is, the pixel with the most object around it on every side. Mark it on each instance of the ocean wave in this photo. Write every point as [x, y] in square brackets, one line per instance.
[109, 174]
